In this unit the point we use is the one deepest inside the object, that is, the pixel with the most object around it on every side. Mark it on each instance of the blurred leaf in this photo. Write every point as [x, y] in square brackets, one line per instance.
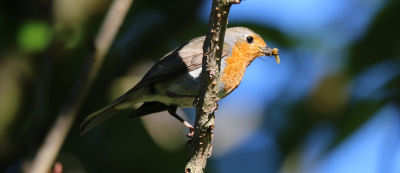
[380, 42]
[330, 95]
[71, 18]
[356, 116]
[13, 72]
[393, 89]
[34, 36]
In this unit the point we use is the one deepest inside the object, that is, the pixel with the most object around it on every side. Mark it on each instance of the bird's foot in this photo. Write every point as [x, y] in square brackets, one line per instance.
[191, 129]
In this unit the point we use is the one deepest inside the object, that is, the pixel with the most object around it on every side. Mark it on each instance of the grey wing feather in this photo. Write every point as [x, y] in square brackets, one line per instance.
[184, 59]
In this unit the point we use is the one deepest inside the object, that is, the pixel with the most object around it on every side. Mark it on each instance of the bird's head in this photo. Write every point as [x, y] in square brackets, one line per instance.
[249, 44]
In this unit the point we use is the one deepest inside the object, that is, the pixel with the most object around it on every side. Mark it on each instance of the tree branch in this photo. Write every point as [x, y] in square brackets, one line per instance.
[207, 103]
[47, 153]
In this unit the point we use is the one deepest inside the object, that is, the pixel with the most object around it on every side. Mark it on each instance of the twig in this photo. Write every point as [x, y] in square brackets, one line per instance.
[47, 153]
[207, 103]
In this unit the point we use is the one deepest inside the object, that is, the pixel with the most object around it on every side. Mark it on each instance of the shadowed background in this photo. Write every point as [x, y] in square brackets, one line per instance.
[332, 105]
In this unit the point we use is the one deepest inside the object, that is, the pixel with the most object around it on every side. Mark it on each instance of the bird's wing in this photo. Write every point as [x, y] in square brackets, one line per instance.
[186, 58]
[180, 61]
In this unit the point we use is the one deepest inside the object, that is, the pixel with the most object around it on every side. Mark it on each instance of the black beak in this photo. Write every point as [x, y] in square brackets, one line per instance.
[271, 52]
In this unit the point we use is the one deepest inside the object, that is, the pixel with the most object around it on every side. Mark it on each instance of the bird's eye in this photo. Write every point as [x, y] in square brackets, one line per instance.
[249, 39]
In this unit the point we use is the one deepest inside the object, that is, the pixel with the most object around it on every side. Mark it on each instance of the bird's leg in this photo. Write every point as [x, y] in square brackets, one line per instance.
[172, 110]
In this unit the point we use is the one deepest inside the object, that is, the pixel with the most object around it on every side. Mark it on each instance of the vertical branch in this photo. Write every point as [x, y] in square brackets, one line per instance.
[47, 153]
[207, 103]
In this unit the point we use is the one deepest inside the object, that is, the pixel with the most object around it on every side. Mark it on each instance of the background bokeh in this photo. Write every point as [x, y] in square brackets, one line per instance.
[332, 105]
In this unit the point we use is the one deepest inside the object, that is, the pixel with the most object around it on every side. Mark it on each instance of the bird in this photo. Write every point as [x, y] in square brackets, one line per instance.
[174, 81]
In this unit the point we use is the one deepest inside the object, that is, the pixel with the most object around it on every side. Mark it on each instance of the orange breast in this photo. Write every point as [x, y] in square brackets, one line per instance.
[235, 66]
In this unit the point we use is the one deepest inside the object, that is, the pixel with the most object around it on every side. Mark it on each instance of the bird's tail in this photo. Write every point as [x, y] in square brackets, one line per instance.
[108, 111]
[97, 118]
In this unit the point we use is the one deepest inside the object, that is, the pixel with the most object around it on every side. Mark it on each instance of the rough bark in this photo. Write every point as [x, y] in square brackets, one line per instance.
[207, 103]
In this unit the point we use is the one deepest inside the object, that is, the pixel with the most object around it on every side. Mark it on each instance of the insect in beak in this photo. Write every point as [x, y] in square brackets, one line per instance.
[271, 52]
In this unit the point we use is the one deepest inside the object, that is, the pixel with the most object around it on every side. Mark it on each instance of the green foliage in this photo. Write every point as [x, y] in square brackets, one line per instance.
[34, 36]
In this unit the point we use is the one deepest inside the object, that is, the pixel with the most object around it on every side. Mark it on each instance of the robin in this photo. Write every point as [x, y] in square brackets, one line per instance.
[174, 81]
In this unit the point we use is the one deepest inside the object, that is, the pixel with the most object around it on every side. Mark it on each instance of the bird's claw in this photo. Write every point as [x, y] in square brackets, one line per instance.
[191, 133]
